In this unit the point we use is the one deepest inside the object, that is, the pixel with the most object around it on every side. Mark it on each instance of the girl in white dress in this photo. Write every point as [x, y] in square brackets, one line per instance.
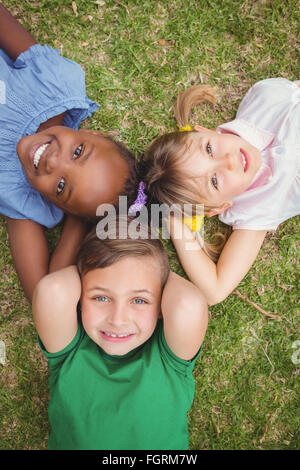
[247, 171]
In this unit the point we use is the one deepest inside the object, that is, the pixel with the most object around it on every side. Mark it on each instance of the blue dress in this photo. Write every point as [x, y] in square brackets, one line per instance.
[40, 84]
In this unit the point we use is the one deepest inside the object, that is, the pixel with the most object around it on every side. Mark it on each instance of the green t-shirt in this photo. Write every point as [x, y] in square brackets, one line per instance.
[136, 401]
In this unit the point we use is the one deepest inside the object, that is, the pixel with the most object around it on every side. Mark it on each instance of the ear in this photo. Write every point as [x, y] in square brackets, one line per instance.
[200, 128]
[219, 210]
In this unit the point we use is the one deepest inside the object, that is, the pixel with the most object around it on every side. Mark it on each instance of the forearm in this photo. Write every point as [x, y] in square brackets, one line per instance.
[29, 248]
[14, 39]
[200, 269]
[217, 281]
[65, 253]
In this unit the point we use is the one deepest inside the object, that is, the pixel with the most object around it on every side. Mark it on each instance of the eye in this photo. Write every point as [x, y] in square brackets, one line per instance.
[139, 301]
[78, 152]
[101, 298]
[214, 182]
[209, 149]
[60, 186]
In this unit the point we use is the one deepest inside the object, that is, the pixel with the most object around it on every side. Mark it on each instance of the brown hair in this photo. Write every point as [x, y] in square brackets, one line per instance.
[96, 252]
[163, 170]
[165, 178]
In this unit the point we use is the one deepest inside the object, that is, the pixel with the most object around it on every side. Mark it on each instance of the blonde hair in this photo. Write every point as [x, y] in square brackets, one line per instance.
[163, 173]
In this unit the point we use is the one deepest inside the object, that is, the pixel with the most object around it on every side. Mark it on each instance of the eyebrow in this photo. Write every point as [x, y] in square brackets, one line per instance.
[206, 186]
[69, 195]
[134, 291]
[83, 160]
[203, 186]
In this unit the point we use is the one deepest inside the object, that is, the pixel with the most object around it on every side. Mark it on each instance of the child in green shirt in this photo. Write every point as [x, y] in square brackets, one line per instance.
[121, 334]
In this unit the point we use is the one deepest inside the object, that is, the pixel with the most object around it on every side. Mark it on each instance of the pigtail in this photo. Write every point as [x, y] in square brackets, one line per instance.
[213, 249]
[190, 98]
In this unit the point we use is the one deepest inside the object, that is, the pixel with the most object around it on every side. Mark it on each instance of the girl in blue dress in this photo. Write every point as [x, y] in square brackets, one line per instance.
[47, 166]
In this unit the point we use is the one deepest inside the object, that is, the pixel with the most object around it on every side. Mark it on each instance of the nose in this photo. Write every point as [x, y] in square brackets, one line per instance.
[227, 161]
[118, 315]
[51, 161]
[55, 161]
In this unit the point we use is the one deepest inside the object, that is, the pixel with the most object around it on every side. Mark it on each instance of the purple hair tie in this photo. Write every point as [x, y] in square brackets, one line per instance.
[140, 200]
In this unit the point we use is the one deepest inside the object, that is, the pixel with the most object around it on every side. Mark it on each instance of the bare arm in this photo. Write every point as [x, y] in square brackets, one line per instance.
[30, 252]
[54, 306]
[184, 310]
[29, 248]
[217, 281]
[66, 250]
[14, 39]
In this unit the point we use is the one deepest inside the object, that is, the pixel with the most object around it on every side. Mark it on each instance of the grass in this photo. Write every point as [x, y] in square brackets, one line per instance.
[137, 56]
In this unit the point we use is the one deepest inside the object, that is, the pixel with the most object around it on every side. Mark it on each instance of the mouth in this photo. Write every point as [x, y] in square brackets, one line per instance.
[116, 337]
[36, 152]
[245, 159]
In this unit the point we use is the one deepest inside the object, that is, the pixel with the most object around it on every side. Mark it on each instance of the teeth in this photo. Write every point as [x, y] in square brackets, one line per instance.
[38, 154]
[116, 336]
[244, 161]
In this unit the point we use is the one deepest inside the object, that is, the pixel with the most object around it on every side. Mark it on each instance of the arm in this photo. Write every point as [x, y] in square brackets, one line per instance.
[217, 281]
[66, 250]
[29, 248]
[14, 39]
[184, 310]
[30, 252]
[54, 306]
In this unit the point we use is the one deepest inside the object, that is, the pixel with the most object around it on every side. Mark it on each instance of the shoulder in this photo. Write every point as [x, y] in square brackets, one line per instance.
[19, 200]
[273, 106]
[278, 92]
[162, 356]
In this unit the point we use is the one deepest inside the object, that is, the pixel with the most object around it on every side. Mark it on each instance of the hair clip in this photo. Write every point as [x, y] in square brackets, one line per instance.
[140, 200]
[185, 128]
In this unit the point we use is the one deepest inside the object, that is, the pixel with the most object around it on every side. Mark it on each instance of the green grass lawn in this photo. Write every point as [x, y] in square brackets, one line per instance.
[137, 56]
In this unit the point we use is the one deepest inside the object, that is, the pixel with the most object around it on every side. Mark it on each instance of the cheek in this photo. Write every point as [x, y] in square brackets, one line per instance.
[147, 321]
[234, 184]
[89, 317]
[43, 185]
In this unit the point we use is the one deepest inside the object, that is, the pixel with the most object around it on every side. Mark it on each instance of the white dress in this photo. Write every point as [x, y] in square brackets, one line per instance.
[269, 118]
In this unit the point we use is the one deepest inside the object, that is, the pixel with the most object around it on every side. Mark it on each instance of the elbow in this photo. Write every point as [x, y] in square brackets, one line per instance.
[52, 288]
[46, 291]
[216, 298]
[196, 309]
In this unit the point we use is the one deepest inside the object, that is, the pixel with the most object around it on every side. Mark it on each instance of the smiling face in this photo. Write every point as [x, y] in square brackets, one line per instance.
[121, 303]
[222, 165]
[75, 170]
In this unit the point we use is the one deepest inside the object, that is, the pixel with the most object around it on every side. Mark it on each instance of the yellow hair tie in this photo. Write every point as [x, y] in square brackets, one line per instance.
[194, 223]
[185, 128]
